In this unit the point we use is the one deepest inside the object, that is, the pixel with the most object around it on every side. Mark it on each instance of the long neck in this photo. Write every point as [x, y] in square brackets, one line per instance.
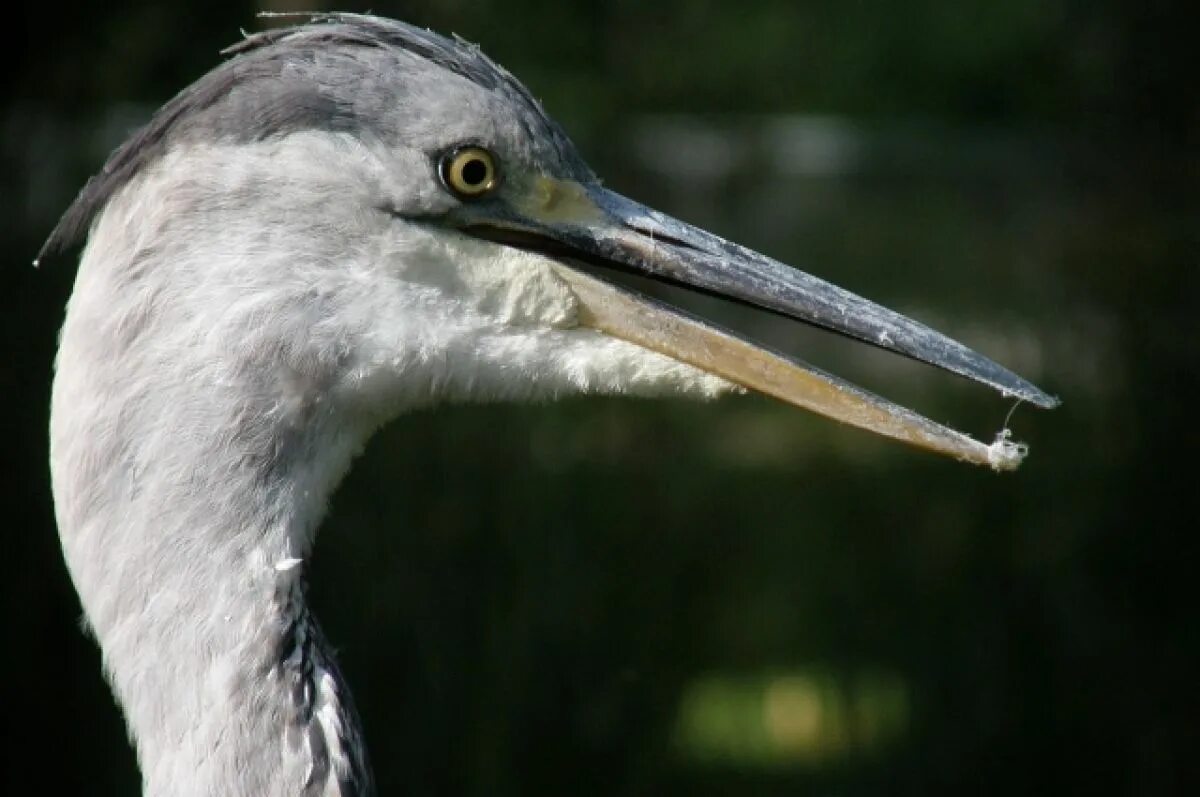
[188, 494]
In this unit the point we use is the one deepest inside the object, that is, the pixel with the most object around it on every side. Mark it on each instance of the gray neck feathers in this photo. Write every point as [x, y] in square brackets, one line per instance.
[247, 310]
[191, 464]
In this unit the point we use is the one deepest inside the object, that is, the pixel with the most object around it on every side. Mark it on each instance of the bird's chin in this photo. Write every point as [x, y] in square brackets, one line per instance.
[604, 365]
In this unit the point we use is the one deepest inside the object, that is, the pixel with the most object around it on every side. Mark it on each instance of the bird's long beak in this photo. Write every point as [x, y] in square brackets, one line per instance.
[574, 221]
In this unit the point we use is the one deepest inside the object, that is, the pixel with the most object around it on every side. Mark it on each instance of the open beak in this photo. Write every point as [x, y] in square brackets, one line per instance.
[585, 222]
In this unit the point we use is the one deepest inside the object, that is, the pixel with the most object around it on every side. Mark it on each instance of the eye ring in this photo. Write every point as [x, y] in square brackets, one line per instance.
[469, 172]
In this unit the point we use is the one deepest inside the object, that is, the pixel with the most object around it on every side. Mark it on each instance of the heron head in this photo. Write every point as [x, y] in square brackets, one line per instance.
[386, 217]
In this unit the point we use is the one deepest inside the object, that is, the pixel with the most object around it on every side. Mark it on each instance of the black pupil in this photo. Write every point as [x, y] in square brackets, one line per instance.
[474, 172]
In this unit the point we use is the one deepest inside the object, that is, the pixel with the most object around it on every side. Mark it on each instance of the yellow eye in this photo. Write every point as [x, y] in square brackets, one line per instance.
[470, 172]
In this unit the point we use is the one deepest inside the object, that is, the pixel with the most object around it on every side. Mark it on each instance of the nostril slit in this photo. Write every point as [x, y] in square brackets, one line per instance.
[658, 235]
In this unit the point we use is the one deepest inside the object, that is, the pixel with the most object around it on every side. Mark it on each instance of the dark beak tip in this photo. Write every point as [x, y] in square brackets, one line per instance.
[1023, 390]
[1048, 402]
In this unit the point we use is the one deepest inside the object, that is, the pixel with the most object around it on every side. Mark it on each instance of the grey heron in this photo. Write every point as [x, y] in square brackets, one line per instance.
[345, 220]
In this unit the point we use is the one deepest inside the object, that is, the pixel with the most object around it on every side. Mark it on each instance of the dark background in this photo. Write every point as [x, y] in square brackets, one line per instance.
[622, 597]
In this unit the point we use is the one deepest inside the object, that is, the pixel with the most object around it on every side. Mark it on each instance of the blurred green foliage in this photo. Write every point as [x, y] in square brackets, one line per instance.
[609, 597]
